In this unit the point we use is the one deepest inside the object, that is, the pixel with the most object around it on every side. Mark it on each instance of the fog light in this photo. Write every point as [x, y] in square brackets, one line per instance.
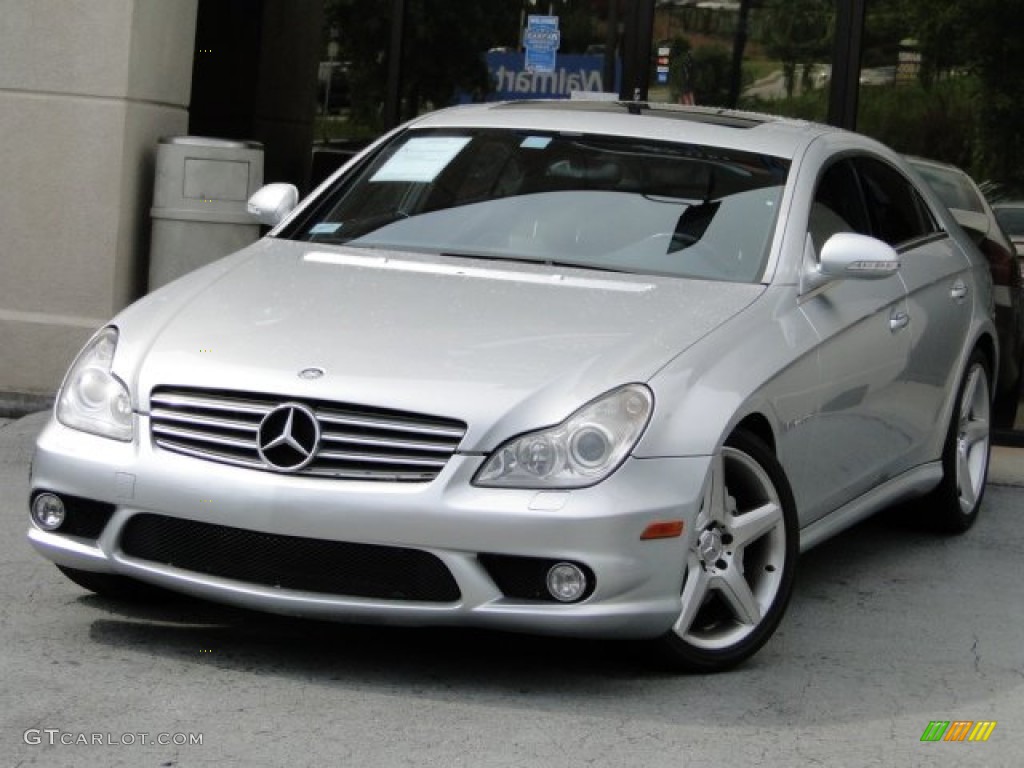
[48, 511]
[566, 582]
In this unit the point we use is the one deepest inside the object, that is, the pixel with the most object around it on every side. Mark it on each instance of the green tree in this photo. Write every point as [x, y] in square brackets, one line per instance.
[799, 33]
[980, 38]
[885, 28]
[711, 75]
[993, 50]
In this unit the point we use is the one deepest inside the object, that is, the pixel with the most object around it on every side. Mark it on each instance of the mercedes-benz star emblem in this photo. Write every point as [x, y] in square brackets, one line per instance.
[288, 437]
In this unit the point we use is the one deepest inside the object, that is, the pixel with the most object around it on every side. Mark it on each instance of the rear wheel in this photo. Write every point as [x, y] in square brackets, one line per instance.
[953, 506]
[739, 571]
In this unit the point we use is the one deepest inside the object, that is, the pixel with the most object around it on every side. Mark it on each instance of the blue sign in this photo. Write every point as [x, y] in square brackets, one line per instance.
[540, 61]
[541, 40]
[542, 33]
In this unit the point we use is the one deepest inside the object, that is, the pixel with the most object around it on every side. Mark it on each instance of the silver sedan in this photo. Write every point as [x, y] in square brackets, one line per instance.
[590, 369]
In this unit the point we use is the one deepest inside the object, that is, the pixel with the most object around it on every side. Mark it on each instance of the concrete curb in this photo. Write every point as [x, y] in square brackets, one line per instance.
[14, 405]
[1006, 466]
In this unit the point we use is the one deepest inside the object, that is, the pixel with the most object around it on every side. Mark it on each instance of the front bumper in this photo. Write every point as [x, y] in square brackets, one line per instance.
[637, 582]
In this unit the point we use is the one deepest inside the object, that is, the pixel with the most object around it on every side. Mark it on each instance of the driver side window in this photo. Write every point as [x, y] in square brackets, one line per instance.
[838, 205]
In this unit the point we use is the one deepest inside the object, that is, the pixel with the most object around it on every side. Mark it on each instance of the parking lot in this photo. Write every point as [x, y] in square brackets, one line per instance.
[889, 629]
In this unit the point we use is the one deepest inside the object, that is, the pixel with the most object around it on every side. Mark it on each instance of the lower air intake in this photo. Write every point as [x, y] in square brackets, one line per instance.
[290, 562]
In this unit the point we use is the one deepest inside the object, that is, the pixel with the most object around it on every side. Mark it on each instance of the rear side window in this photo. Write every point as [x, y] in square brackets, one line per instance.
[898, 214]
[953, 189]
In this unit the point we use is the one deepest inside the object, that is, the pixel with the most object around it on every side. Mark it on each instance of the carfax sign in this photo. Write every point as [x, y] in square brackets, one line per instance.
[541, 40]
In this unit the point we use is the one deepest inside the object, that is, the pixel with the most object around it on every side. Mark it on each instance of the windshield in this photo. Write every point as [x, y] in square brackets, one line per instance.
[627, 205]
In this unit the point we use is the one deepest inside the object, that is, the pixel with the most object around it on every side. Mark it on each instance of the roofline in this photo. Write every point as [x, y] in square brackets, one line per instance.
[735, 129]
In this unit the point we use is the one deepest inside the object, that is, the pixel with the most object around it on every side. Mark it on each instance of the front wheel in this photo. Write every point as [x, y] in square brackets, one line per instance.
[739, 570]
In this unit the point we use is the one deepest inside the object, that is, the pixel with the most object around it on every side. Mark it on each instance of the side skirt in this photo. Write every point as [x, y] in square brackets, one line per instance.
[914, 482]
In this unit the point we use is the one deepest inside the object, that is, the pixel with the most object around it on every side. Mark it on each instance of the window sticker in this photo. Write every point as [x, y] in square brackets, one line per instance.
[325, 228]
[421, 159]
[535, 142]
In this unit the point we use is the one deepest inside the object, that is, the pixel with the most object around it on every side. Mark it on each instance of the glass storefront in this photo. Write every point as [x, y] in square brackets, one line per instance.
[936, 77]
[454, 52]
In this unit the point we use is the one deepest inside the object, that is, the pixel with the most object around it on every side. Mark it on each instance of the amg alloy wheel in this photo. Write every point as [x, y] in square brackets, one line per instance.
[953, 506]
[739, 571]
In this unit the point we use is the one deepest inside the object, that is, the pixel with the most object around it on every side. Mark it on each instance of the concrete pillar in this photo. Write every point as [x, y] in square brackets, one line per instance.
[87, 88]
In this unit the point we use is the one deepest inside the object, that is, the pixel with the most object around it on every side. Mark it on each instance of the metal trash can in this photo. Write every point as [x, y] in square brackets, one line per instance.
[199, 196]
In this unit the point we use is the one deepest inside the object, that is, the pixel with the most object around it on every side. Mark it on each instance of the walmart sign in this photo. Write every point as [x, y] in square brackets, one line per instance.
[511, 80]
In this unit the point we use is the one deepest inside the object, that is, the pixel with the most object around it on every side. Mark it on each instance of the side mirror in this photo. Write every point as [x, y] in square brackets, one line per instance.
[848, 256]
[270, 204]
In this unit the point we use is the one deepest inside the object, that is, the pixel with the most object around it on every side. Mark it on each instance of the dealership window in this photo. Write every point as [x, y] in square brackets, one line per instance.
[924, 67]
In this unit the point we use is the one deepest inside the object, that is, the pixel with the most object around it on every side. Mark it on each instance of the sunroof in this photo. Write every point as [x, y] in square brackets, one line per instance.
[719, 117]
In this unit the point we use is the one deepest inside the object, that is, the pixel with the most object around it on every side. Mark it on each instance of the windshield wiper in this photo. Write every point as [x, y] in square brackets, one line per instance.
[543, 261]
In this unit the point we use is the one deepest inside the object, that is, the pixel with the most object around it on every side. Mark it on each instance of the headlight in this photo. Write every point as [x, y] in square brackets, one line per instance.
[581, 451]
[92, 399]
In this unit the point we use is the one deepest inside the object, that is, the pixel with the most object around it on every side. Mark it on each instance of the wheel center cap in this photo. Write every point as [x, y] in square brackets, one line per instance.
[710, 545]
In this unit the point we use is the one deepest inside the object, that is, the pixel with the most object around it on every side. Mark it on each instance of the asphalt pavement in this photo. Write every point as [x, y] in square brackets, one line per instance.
[889, 630]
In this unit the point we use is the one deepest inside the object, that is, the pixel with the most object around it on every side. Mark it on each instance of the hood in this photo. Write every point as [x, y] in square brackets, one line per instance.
[503, 346]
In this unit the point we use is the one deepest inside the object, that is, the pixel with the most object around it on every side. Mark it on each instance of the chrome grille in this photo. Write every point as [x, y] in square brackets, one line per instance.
[356, 443]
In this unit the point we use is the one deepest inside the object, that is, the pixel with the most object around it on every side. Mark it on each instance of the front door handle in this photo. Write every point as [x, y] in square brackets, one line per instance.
[898, 319]
[960, 291]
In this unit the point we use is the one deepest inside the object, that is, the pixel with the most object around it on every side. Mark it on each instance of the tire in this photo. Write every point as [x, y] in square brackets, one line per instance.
[116, 587]
[738, 574]
[953, 506]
